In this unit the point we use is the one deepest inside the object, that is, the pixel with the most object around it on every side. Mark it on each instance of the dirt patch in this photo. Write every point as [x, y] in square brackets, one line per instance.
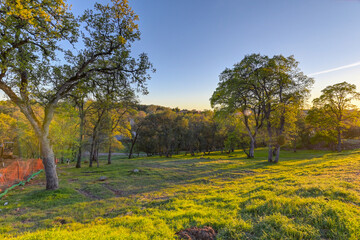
[117, 192]
[152, 165]
[161, 198]
[60, 221]
[73, 180]
[246, 171]
[195, 233]
[95, 172]
[87, 194]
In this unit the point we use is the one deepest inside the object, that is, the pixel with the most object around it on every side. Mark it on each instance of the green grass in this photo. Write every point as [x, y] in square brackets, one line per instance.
[307, 195]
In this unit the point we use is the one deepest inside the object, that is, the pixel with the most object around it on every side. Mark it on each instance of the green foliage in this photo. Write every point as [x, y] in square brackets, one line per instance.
[237, 140]
[30, 74]
[232, 142]
[280, 140]
[333, 112]
[168, 131]
[7, 126]
[262, 89]
[64, 131]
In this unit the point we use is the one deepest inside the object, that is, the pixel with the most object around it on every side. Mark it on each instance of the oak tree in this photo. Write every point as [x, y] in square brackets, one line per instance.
[32, 41]
[335, 108]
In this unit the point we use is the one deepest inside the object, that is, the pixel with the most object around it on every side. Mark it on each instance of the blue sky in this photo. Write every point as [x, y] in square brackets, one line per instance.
[190, 42]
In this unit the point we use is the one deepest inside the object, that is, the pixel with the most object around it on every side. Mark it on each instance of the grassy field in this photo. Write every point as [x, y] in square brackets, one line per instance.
[308, 195]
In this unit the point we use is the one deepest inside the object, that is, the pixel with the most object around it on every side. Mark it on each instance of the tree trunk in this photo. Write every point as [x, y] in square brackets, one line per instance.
[52, 181]
[94, 152]
[97, 154]
[81, 134]
[109, 155]
[92, 149]
[48, 159]
[94, 138]
[78, 161]
[132, 146]
[277, 154]
[270, 152]
[252, 138]
[279, 134]
[252, 148]
[339, 141]
[294, 144]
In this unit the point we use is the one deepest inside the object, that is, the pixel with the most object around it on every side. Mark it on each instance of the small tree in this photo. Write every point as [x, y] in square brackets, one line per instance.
[118, 124]
[63, 132]
[336, 108]
[136, 125]
[296, 127]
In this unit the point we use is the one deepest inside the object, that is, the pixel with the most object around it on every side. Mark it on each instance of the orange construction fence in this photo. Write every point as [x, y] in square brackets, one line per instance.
[18, 170]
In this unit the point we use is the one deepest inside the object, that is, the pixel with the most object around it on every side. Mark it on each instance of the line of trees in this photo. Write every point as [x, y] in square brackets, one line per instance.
[78, 134]
[165, 131]
[100, 125]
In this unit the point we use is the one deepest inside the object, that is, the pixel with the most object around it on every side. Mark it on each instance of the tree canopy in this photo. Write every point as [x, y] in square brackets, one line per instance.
[333, 111]
[31, 45]
[262, 89]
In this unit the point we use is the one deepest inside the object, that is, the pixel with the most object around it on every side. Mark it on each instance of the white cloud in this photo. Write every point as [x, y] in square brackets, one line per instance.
[336, 69]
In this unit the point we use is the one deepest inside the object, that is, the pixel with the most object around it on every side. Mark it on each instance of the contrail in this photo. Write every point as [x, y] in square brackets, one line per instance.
[336, 69]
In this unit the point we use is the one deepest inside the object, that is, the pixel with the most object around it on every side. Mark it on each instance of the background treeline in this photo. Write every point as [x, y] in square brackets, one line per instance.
[83, 133]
